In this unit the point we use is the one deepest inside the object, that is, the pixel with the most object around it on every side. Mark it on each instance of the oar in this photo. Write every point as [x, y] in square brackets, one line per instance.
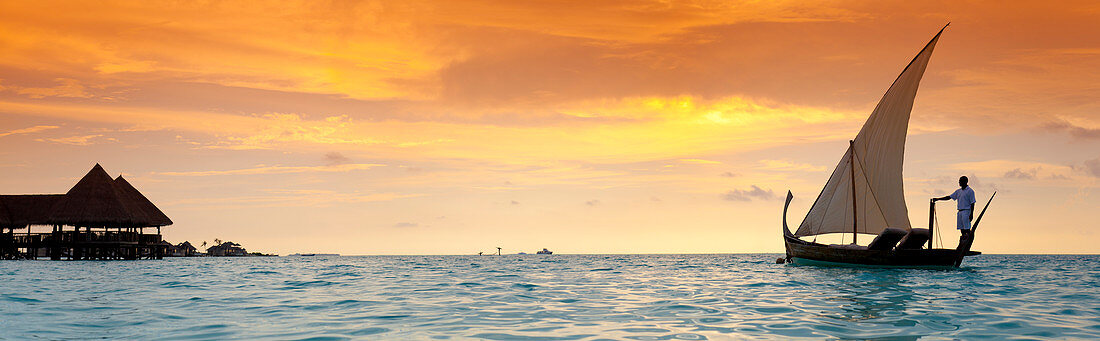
[964, 246]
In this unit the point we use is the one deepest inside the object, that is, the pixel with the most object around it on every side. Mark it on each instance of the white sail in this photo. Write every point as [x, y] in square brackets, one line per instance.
[878, 200]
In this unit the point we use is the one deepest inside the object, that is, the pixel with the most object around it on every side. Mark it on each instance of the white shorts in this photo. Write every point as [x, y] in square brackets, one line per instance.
[964, 219]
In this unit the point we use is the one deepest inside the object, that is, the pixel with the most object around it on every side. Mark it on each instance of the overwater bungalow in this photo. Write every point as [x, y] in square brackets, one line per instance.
[226, 249]
[184, 249]
[99, 218]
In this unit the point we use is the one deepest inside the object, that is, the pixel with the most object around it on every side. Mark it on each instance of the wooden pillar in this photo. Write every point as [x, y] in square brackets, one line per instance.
[931, 222]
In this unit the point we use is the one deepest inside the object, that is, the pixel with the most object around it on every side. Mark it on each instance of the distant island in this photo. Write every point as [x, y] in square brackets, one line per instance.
[219, 249]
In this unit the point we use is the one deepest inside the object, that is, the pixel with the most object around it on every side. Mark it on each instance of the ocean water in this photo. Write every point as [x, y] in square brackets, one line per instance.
[557, 297]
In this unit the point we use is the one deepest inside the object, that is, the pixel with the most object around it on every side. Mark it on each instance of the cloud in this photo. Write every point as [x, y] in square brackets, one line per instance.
[515, 202]
[748, 195]
[406, 224]
[68, 88]
[783, 165]
[292, 128]
[78, 140]
[1073, 130]
[1092, 167]
[700, 161]
[279, 170]
[1011, 169]
[335, 158]
[592, 202]
[29, 130]
[288, 198]
[1021, 174]
[729, 174]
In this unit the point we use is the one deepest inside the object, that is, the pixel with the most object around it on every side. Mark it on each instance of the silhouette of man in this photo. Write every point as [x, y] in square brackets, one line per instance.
[965, 198]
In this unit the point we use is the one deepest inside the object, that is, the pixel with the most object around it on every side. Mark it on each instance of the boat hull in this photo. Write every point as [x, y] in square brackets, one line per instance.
[803, 252]
[807, 253]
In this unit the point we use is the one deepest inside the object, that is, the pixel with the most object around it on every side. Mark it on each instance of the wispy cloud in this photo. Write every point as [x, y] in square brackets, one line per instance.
[289, 198]
[784, 165]
[29, 130]
[406, 224]
[68, 88]
[701, 161]
[1092, 167]
[279, 170]
[1018, 173]
[1013, 169]
[335, 158]
[1074, 130]
[755, 192]
[78, 140]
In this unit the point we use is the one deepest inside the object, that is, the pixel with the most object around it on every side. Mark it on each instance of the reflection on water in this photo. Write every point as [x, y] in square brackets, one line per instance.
[881, 295]
[559, 297]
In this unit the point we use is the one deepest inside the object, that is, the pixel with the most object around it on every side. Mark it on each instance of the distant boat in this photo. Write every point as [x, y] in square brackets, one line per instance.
[544, 252]
[313, 254]
[865, 195]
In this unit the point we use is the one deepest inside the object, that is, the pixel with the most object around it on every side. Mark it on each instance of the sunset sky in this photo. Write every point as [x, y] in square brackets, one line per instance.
[453, 127]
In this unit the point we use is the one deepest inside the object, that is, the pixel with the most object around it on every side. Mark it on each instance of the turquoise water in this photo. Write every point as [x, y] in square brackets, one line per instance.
[558, 297]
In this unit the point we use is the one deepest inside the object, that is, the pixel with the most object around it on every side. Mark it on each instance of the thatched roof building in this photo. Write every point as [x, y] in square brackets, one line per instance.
[18, 211]
[95, 201]
[138, 202]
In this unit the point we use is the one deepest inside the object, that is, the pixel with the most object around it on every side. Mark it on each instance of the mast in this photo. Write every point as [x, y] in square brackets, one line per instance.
[852, 168]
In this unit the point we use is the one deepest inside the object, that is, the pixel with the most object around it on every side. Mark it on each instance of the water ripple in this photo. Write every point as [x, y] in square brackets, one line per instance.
[559, 297]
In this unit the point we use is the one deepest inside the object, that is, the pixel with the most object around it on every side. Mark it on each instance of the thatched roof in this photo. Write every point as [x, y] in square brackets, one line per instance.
[18, 211]
[96, 200]
[186, 245]
[140, 204]
[93, 201]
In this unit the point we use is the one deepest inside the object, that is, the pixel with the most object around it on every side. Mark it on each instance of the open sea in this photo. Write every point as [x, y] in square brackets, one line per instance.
[556, 297]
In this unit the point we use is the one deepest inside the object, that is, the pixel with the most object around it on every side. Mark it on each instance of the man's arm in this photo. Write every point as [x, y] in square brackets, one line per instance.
[946, 197]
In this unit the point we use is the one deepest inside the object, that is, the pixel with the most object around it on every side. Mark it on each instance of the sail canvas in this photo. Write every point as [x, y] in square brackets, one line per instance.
[874, 163]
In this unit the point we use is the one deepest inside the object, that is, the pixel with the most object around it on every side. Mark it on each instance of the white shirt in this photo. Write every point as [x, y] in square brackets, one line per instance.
[965, 198]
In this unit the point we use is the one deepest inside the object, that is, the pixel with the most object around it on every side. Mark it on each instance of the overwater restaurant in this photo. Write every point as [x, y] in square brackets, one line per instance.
[99, 218]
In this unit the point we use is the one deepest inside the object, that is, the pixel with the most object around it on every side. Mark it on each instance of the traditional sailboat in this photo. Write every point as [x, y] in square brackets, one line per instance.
[865, 195]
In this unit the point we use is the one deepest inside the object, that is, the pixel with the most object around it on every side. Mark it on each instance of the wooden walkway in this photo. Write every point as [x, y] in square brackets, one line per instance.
[82, 245]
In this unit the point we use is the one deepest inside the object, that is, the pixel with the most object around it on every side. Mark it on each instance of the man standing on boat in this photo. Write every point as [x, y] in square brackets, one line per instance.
[965, 197]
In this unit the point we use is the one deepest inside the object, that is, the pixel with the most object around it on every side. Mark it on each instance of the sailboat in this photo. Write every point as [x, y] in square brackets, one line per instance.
[865, 195]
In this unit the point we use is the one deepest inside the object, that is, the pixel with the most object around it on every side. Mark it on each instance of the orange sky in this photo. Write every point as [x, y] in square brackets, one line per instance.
[452, 127]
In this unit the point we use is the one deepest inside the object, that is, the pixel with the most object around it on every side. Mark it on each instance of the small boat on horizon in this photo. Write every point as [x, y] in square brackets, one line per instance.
[865, 194]
[544, 252]
[314, 254]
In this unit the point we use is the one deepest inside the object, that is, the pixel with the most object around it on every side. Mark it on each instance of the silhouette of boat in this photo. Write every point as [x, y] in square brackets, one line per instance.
[864, 194]
[544, 252]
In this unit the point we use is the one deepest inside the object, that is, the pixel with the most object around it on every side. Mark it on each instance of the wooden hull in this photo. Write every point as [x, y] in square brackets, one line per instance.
[803, 252]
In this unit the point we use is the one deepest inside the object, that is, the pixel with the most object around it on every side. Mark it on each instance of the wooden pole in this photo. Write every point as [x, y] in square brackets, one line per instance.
[852, 168]
[931, 222]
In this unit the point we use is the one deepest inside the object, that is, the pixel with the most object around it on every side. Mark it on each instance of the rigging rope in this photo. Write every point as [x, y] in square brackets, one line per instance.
[827, 205]
[873, 196]
[939, 236]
